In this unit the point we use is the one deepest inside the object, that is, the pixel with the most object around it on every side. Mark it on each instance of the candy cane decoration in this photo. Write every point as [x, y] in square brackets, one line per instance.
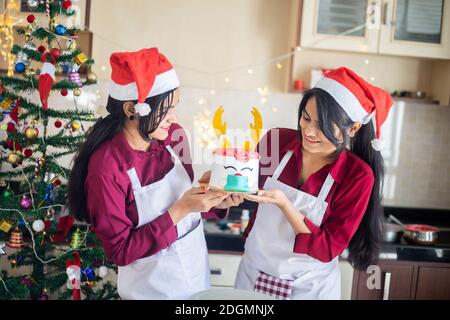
[47, 7]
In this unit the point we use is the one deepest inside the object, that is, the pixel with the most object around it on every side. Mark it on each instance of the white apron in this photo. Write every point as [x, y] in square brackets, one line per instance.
[269, 246]
[181, 269]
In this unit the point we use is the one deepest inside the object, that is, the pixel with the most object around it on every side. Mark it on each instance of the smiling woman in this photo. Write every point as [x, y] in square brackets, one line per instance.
[324, 195]
[136, 192]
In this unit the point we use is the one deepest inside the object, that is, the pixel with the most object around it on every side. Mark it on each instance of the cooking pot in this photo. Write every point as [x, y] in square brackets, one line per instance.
[418, 233]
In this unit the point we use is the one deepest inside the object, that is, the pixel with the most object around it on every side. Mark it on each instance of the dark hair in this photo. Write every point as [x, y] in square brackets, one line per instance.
[104, 129]
[365, 244]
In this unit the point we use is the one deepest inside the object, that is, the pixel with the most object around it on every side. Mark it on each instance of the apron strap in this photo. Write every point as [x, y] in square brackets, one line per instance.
[282, 164]
[134, 178]
[326, 187]
[176, 159]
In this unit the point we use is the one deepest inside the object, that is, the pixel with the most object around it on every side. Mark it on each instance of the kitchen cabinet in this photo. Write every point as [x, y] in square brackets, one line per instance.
[397, 27]
[403, 280]
[433, 283]
[224, 267]
[396, 283]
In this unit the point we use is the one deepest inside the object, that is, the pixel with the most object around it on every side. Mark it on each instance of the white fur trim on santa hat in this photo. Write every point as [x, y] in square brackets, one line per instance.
[378, 144]
[49, 69]
[163, 82]
[143, 109]
[345, 98]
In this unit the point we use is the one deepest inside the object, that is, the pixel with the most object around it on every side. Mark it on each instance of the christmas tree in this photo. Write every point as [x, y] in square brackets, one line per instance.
[43, 251]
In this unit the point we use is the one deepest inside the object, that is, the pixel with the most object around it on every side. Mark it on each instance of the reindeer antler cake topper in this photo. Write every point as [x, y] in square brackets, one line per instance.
[236, 169]
[220, 129]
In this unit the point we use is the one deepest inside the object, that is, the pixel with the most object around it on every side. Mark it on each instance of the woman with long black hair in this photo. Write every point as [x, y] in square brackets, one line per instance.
[322, 197]
[132, 181]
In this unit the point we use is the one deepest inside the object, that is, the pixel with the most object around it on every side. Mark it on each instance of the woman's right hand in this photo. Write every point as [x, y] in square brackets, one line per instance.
[196, 200]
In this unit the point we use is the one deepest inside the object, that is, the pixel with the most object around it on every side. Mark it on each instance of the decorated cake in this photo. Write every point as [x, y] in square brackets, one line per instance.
[234, 169]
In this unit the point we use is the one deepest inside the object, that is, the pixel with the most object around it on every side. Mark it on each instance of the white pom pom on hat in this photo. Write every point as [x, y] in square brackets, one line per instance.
[139, 75]
[359, 99]
[378, 144]
[143, 109]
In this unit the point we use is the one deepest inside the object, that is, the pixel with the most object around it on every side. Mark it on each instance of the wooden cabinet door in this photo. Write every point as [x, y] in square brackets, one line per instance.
[395, 283]
[224, 268]
[433, 283]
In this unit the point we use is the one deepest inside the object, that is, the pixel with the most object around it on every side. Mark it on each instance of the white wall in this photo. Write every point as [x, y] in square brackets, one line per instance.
[199, 37]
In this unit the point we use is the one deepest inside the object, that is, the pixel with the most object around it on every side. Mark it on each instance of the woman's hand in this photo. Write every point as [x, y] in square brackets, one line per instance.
[277, 197]
[204, 179]
[195, 200]
[273, 196]
[233, 200]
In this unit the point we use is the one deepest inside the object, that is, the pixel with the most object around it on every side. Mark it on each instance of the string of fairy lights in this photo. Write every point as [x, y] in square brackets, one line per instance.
[7, 22]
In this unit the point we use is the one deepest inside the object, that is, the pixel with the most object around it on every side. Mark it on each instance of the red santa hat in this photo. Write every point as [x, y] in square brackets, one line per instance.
[45, 83]
[139, 75]
[358, 98]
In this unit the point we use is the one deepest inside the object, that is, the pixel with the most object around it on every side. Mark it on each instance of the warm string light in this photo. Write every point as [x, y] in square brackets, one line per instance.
[7, 21]
[27, 225]
[203, 126]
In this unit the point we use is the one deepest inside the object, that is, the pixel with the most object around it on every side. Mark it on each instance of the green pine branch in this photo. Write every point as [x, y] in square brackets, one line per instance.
[58, 155]
[32, 83]
[9, 175]
[57, 169]
[34, 110]
[44, 34]
[36, 55]
[64, 141]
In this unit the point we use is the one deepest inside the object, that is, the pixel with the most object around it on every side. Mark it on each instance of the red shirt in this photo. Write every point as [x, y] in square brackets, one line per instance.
[347, 199]
[110, 201]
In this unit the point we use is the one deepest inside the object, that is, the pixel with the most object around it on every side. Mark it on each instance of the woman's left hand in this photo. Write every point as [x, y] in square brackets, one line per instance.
[233, 200]
[273, 196]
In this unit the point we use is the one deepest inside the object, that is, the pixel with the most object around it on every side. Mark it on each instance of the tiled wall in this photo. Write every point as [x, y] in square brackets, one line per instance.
[421, 175]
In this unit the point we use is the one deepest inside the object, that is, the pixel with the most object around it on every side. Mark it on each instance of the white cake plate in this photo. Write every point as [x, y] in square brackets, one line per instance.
[229, 294]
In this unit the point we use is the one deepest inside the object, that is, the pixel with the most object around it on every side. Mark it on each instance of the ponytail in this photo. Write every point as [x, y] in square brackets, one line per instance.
[104, 129]
[365, 245]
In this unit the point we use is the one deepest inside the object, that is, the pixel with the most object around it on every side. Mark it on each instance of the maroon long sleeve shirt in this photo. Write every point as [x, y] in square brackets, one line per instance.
[110, 201]
[347, 199]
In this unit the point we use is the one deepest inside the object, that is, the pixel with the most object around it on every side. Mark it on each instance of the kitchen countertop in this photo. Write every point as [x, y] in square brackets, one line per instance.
[225, 241]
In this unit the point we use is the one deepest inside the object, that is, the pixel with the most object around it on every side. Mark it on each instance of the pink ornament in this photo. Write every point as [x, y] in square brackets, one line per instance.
[75, 78]
[25, 202]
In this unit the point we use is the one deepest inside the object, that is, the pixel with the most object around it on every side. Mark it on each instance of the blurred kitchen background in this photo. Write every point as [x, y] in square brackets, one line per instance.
[265, 53]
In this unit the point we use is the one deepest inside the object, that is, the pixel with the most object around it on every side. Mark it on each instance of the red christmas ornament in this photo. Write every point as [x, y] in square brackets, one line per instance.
[42, 49]
[44, 58]
[31, 18]
[9, 144]
[56, 53]
[58, 123]
[13, 145]
[28, 153]
[64, 92]
[11, 127]
[67, 4]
